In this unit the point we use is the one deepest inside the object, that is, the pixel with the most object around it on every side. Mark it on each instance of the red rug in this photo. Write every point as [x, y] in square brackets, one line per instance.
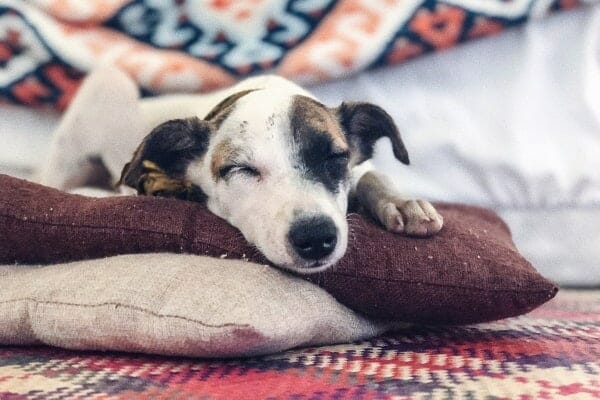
[552, 353]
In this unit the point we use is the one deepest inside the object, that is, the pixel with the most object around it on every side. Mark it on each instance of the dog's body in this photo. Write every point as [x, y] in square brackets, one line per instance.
[264, 154]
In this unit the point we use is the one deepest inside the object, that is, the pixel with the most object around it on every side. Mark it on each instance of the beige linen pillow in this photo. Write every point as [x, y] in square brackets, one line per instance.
[173, 305]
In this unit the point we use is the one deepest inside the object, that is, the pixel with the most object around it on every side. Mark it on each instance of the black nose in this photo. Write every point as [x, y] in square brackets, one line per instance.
[313, 238]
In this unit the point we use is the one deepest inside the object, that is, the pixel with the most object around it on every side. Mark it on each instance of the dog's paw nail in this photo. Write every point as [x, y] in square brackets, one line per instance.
[391, 218]
[397, 225]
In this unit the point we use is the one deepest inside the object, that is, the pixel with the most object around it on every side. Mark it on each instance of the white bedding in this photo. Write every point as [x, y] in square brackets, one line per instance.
[511, 122]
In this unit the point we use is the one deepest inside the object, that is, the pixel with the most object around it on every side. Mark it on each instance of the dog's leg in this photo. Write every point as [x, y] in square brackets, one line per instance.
[397, 214]
[103, 124]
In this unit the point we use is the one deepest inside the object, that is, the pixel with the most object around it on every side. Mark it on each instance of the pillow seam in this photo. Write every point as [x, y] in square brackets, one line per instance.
[130, 307]
[112, 228]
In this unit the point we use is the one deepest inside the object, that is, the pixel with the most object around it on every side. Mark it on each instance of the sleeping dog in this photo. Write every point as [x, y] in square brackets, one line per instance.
[265, 155]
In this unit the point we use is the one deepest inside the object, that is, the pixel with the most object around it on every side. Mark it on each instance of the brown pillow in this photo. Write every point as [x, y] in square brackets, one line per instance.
[469, 272]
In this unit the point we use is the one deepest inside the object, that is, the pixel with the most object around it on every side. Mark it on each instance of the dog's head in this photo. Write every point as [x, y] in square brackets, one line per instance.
[274, 164]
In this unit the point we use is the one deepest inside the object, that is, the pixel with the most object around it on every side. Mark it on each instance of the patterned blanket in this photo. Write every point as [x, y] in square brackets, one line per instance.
[552, 353]
[47, 46]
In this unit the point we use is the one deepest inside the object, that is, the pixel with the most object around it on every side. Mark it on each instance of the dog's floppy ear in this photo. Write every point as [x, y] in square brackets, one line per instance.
[159, 164]
[364, 124]
[221, 110]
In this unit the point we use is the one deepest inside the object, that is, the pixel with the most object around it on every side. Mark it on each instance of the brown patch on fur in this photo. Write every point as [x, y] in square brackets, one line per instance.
[320, 119]
[159, 164]
[222, 110]
[222, 153]
[132, 170]
[155, 182]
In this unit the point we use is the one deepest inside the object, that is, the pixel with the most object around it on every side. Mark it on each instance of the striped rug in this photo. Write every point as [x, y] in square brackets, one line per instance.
[552, 353]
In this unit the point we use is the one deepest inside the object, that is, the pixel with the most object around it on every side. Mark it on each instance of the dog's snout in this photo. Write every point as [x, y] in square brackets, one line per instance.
[313, 238]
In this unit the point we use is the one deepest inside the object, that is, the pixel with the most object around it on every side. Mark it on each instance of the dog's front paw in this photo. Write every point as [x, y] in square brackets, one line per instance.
[412, 217]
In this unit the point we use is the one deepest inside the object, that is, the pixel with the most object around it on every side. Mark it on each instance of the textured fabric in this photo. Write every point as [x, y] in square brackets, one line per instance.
[552, 353]
[171, 304]
[469, 272]
[511, 123]
[47, 46]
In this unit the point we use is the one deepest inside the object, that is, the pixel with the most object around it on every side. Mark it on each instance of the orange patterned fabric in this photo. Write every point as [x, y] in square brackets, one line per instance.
[47, 46]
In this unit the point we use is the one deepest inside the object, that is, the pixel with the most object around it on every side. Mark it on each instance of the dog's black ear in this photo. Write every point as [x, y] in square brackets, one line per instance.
[364, 123]
[160, 162]
[221, 110]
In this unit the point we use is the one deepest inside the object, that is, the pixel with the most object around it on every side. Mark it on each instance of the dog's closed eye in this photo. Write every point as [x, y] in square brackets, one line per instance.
[336, 164]
[233, 169]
